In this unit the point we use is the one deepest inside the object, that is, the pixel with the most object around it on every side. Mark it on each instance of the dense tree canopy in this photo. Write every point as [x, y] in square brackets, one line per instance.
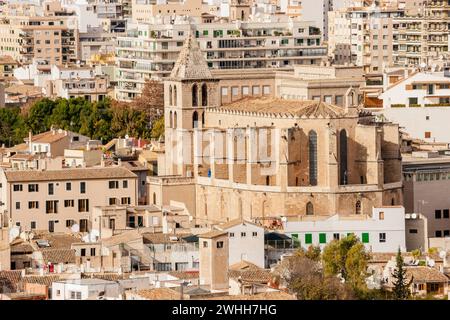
[102, 120]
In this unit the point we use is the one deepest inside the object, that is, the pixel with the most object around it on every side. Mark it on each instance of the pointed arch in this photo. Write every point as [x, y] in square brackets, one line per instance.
[203, 119]
[175, 96]
[170, 119]
[204, 95]
[194, 95]
[175, 119]
[358, 208]
[309, 209]
[170, 96]
[195, 120]
[312, 146]
[343, 170]
[154, 197]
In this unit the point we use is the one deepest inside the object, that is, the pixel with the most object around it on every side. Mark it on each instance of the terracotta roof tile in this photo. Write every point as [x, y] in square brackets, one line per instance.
[426, 274]
[56, 256]
[159, 294]
[255, 275]
[287, 107]
[69, 174]
[9, 280]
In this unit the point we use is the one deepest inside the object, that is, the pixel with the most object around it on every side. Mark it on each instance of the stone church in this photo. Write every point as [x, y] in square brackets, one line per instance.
[263, 157]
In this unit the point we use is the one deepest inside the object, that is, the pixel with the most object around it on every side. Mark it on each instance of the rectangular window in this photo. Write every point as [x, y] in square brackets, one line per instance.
[254, 234]
[112, 201]
[33, 225]
[446, 233]
[92, 252]
[437, 214]
[68, 186]
[140, 221]
[231, 234]
[438, 233]
[224, 91]
[69, 223]
[243, 234]
[69, 203]
[245, 91]
[51, 206]
[308, 238]
[381, 216]
[382, 236]
[125, 184]
[33, 205]
[255, 90]
[339, 100]
[131, 221]
[83, 252]
[219, 244]
[328, 99]
[83, 205]
[114, 184]
[205, 244]
[336, 236]
[234, 91]
[365, 237]
[34, 187]
[75, 295]
[51, 189]
[445, 213]
[82, 187]
[427, 134]
[17, 205]
[126, 200]
[322, 238]
[412, 230]
[17, 187]
[266, 89]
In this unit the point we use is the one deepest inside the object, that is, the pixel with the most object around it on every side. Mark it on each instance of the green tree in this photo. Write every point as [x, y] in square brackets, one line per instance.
[313, 253]
[401, 282]
[158, 128]
[347, 257]
[38, 117]
[12, 126]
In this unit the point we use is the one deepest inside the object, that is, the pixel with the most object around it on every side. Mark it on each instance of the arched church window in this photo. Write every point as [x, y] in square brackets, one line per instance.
[312, 139]
[195, 120]
[170, 120]
[174, 95]
[343, 173]
[194, 95]
[154, 198]
[309, 209]
[175, 119]
[204, 95]
[358, 207]
[170, 96]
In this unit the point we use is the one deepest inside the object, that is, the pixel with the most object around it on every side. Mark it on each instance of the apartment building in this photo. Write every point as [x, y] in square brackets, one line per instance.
[424, 36]
[27, 32]
[144, 10]
[420, 103]
[363, 36]
[381, 231]
[55, 200]
[425, 179]
[76, 81]
[150, 50]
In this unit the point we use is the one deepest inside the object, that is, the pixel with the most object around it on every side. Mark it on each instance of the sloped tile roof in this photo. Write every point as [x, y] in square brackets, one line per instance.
[58, 256]
[285, 107]
[253, 275]
[9, 280]
[426, 274]
[159, 294]
[244, 265]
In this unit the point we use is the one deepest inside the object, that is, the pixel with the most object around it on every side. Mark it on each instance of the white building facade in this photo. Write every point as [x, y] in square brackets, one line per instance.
[384, 231]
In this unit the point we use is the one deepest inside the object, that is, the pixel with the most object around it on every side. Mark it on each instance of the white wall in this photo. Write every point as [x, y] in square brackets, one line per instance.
[249, 248]
[393, 225]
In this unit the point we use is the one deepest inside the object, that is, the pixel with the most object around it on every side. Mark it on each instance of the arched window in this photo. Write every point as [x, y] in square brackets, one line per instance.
[174, 95]
[267, 180]
[242, 15]
[343, 157]
[358, 207]
[309, 209]
[170, 96]
[170, 120]
[312, 141]
[194, 95]
[195, 120]
[154, 198]
[175, 119]
[204, 95]
[203, 119]
[392, 202]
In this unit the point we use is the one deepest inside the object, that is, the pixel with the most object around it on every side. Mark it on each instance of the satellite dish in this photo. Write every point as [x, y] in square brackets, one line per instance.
[414, 216]
[95, 232]
[75, 228]
[14, 233]
[442, 254]
[407, 216]
[283, 219]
